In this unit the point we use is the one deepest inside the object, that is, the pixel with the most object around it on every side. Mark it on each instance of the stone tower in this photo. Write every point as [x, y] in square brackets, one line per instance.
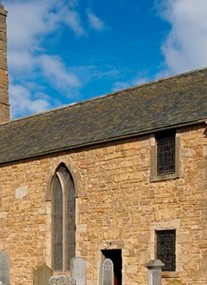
[4, 96]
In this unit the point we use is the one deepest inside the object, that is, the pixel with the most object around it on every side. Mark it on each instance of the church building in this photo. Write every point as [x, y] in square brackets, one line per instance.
[123, 177]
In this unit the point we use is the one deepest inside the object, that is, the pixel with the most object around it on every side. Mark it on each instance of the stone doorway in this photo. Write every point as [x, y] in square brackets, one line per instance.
[116, 257]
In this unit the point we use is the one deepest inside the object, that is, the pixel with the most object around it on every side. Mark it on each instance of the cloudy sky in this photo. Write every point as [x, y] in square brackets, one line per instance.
[65, 51]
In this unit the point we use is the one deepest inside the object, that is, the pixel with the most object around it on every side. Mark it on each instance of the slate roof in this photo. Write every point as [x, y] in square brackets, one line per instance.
[176, 101]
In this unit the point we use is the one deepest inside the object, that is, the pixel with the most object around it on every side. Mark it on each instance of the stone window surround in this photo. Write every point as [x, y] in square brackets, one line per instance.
[160, 226]
[153, 161]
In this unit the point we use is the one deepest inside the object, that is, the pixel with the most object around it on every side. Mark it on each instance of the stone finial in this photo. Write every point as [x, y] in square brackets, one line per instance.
[155, 264]
[154, 271]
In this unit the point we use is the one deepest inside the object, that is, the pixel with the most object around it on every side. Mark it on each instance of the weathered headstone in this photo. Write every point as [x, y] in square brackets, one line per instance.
[42, 275]
[4, 268]
[107, 272]
[78, 270]
[154, 272]
[61, 280]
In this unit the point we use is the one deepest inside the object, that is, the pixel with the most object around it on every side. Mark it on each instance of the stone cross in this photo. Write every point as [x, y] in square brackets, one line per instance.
[107, 272]
[154, 272]
[78, 270]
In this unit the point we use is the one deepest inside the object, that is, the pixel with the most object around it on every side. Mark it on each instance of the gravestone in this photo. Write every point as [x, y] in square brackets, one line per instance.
[107, 272]
[4, 268]
[154, 271]
[78, 270]
[61, 280]
[42, 275]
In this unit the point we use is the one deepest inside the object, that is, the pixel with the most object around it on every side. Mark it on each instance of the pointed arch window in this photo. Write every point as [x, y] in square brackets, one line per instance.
[63, 219]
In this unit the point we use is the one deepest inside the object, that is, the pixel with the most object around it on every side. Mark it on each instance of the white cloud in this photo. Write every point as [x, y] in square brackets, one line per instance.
[186, 44]
[95, 22]
[72, 19]
[29, 22]
[23, 103]
[20, 61]
[119, 85]
[138, 80]
[55, 71]
[23, 26]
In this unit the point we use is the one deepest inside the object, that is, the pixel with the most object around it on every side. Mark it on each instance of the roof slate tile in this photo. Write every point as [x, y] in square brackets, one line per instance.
[166, 103]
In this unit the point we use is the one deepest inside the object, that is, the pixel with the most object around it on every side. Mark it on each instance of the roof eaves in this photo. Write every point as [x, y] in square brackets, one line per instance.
[107, 140]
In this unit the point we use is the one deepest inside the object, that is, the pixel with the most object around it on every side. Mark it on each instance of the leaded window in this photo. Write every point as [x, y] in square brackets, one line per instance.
[165, 152]
[166, 246]
[63, 219]
[57, 214]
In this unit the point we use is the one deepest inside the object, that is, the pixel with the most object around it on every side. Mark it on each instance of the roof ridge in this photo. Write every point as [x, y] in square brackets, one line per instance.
[149, 107]
[101, 97]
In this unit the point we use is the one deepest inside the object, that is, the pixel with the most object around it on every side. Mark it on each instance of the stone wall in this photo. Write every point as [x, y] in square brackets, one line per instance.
[117, 207]
[4, 101]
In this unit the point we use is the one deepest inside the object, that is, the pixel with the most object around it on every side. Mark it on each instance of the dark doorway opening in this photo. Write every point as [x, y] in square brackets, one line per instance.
[116, 257]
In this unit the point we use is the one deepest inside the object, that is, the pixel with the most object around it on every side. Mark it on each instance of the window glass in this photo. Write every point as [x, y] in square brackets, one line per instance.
[166, 249]
[70, 223]
[63, 219]
[165, 153]
[57, 227]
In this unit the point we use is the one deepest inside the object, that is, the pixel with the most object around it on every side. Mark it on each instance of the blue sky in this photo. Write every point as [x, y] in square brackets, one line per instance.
[65, 51]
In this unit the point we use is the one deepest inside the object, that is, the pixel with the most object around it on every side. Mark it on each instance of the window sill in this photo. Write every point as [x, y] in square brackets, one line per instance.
[170, 274]
[164, 177]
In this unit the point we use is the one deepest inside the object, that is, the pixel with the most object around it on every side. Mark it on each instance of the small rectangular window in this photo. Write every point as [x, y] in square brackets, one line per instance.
[165, 152]
[166, 245]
